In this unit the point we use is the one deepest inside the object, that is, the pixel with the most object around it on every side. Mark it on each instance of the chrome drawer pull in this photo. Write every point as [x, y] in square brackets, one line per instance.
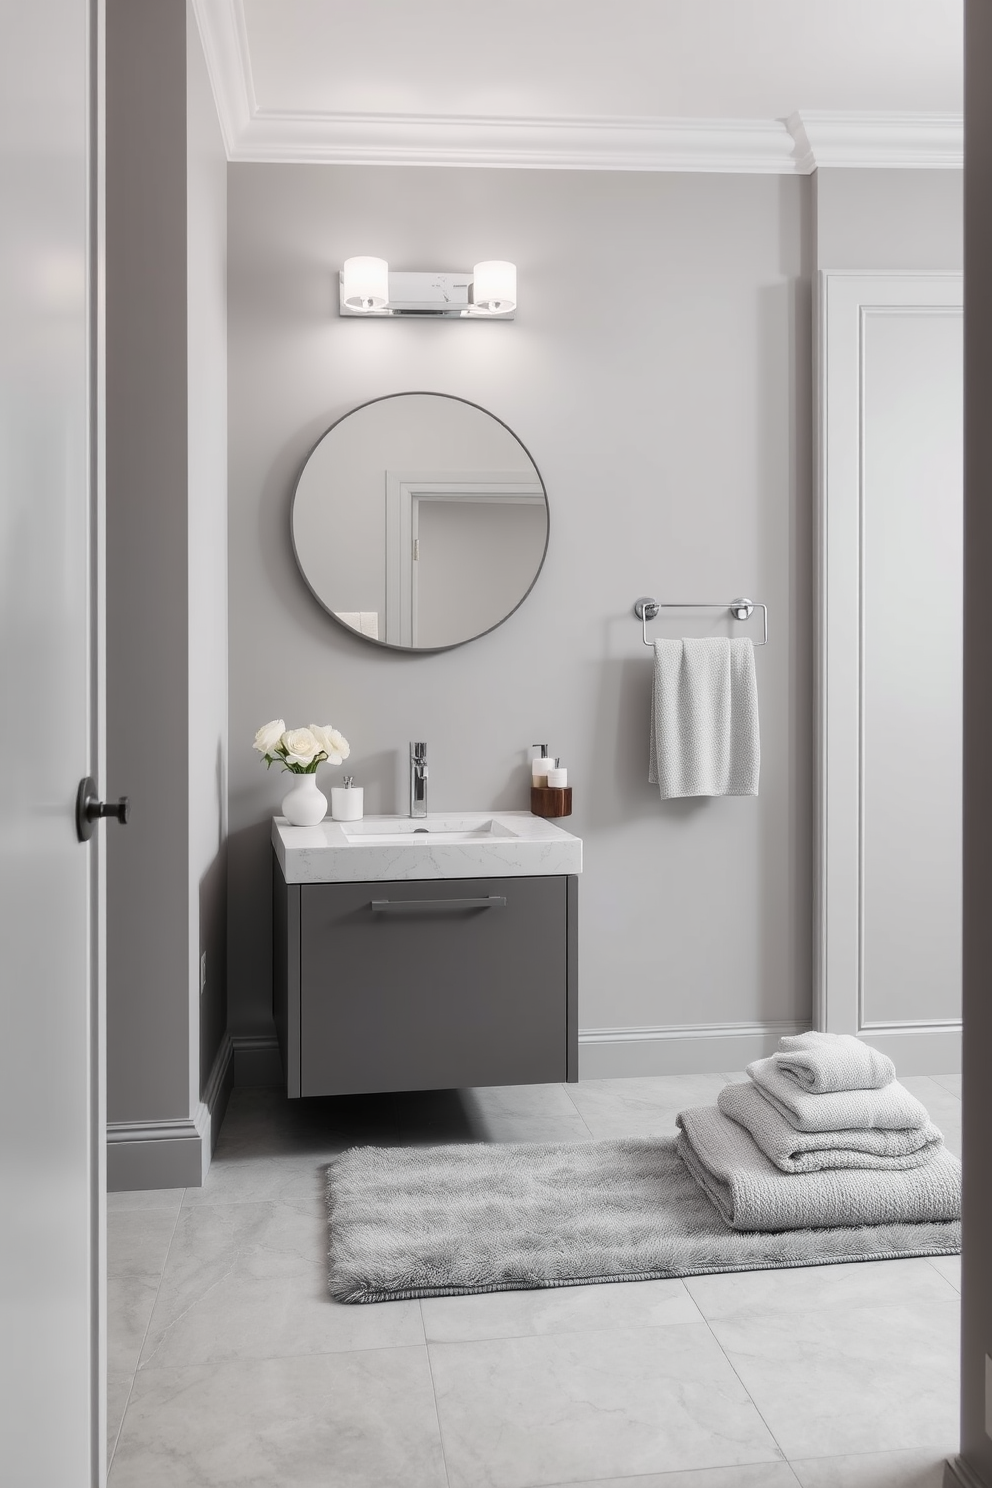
[385, 906]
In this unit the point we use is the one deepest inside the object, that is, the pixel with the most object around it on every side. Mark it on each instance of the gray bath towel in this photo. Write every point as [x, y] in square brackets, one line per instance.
[704, 719]
[750, 1193]
[890, 1109]
[810, 1152]
[821, 1062]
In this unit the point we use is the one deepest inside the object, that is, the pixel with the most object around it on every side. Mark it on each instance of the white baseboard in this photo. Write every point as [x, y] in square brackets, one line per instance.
[678, 1049]
[257, 1060]
[176, 1153]
[957, 1474]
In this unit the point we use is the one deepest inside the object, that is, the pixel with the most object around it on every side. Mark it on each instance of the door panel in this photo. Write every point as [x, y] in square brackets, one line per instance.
[50, 1240]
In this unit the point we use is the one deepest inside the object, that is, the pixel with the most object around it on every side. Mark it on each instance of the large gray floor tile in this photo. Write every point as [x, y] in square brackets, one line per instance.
[146, 1198]
[138, 1241]
[285, 1178]
[130, 1300]
[796, 1292]
[118, 1389]
[358, 1420]
[524, 1113]
[238, 1318]
[949, 1268]
[850, 1379]
[642, 1304]
[255, 1240]
[875, 1470]
[755, 1475]
[951, 1083]
[569, 1407]
[645, 1106]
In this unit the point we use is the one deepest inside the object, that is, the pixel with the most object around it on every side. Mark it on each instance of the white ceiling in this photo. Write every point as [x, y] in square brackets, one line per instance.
[753, 59]
[626, 84]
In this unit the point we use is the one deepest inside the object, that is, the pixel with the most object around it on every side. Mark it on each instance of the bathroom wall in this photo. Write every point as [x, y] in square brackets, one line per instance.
[206, 319]
[166, 593]
[659, 372]
[888, 219]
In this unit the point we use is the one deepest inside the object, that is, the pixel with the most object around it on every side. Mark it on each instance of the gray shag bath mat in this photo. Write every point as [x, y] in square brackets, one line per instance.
[441, 1221]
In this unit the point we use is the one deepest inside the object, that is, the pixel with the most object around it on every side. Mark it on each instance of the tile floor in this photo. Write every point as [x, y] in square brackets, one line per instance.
[230, 1367]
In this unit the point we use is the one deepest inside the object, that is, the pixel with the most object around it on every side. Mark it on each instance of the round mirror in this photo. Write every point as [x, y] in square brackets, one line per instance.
[420, 521]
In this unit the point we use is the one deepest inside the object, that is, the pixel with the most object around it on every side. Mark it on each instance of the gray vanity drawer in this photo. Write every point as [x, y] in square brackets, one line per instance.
[425, 985]
[429, 991]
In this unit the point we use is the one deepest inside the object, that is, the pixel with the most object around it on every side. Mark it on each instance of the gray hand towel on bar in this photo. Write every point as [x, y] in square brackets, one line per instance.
[890, 1109]
[704, 719]
[750, 1193]
[821, 1062]
[810, 1152]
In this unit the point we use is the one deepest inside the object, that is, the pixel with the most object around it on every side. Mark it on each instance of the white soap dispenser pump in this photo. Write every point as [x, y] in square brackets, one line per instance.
[540, 765]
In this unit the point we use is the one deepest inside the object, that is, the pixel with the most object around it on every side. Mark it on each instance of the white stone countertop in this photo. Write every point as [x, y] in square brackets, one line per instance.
[455, 844]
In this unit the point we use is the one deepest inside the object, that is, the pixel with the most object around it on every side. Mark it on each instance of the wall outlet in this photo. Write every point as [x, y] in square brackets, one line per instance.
[203, 973]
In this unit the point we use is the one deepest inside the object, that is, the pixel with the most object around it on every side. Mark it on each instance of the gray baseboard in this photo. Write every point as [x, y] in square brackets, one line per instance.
[689, 1049]
[257, 1060]
[957, 1474]
[926, 1049]
[171, 1154]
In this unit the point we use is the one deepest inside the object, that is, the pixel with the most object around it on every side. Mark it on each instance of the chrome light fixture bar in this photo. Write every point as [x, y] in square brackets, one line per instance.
[369, 288]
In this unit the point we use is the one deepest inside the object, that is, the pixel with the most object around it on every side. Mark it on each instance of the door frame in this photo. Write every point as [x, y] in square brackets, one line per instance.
[404, 492]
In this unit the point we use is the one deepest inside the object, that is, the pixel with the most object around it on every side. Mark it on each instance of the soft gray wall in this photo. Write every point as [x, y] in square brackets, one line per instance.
[888, 219]
[148, 1025]
[166, 584]
[206, 310]
[976, 1273]
[667, 406]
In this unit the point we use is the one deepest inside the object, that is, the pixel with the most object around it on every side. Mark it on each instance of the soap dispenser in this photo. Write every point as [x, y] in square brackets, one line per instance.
[540, 765]
[347, 801]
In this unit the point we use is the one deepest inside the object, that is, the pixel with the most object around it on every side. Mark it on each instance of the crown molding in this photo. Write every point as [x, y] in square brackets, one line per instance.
[877, 141]
[795, 146]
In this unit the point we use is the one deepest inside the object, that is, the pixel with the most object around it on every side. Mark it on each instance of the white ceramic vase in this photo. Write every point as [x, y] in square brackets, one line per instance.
[304, 805]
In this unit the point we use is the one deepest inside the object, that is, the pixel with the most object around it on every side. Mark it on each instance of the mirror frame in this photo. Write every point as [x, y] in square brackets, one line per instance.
[388, 645]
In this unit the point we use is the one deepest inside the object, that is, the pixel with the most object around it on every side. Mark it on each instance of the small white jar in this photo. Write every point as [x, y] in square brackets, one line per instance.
[347, 802]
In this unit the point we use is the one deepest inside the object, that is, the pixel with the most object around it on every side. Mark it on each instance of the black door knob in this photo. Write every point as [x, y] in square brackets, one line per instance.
[89, 809]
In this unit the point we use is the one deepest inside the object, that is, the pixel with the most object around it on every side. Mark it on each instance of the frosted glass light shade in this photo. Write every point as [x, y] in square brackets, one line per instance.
[366, 283]
[494, 289]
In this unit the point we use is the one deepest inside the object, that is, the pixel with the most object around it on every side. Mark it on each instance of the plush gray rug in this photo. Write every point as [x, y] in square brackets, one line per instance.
[439, 1221]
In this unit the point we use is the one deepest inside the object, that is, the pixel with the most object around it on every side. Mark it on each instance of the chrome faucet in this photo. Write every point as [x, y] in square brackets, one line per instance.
[418, 778]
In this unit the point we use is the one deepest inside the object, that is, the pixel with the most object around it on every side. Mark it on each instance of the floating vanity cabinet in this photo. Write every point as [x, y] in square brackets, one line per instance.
[424, 983]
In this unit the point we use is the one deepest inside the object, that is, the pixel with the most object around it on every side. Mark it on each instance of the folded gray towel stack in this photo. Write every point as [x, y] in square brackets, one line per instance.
[821, 1134]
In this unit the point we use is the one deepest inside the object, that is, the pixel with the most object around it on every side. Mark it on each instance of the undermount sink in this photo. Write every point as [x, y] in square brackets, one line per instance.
[489, 844]
[410, 831]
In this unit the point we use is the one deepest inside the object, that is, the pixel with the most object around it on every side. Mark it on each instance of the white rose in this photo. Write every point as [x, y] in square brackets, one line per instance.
[300, 746]
[334, 745]
[269, 735]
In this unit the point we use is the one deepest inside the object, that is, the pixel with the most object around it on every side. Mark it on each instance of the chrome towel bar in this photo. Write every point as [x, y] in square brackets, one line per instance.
[647, 609]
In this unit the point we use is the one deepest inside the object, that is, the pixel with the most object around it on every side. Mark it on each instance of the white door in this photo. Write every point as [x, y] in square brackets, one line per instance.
[891, 621]
[51, 1096]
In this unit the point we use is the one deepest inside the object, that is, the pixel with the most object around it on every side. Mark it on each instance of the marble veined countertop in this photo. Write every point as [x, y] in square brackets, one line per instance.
[451, 844]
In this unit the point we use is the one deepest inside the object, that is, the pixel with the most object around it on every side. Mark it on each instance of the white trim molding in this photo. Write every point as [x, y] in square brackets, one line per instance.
[679, 1048]
[877, 141]
[849, 302]
[793, 146]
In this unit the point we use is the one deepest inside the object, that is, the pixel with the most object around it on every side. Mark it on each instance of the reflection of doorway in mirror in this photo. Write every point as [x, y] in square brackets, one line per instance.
[462, 552]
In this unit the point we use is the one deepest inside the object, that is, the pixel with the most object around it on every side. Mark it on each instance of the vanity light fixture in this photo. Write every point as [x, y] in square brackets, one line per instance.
[367, 287]
[364, 285]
